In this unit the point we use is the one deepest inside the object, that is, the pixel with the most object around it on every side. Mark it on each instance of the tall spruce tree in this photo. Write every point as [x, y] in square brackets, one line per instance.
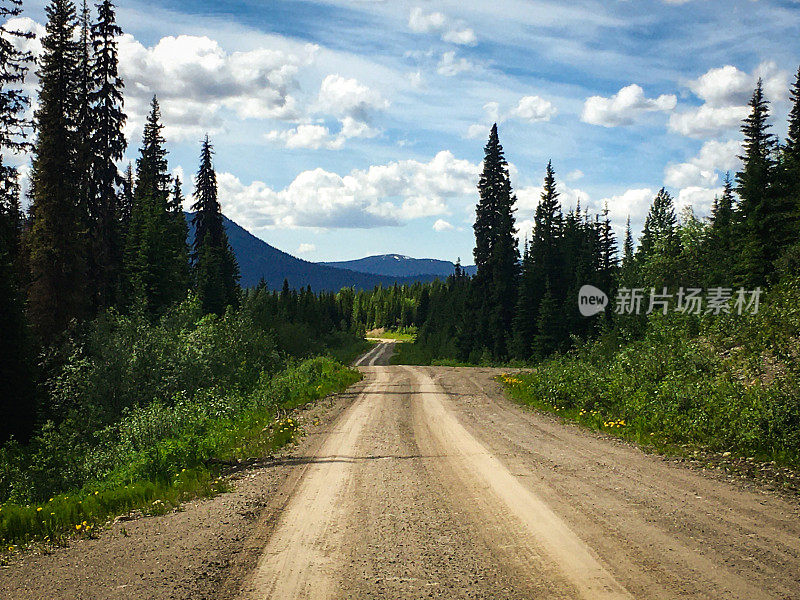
[57, 240]
[764, 212]
[16, 380]
[216, 272]
[108, 145]
[792, 146]
[496, 253]
[720, 247]
[542, 266]
[156, 256]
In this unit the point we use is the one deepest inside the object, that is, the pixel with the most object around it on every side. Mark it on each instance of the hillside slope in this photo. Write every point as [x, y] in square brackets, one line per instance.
[397, 265]
[258, 260]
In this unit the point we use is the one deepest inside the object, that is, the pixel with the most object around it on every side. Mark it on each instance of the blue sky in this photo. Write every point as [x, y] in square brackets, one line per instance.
[345, 128]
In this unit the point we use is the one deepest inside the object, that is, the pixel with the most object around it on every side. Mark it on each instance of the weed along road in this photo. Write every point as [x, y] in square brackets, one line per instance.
[430, 484]
[425, 482]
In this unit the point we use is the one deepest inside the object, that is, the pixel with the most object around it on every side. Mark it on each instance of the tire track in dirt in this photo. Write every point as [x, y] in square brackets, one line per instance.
[299, 560]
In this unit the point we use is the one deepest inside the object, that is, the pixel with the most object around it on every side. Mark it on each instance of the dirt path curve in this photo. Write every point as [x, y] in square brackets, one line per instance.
[432, 485]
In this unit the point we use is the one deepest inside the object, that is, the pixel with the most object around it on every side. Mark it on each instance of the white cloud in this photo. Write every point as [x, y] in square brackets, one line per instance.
[345, 97]
[707, 121]
[634, 203]
[450, 65]
[687, 174]
[722, 156]
[435, 22]
[698, 197]
[725, 92]
[307, 136]
[702, 170]
[379, 196]
[306, 248]
[442, 225]
[477, 131]
[574, 175]
[624, 107]
[421, 22]
[316, 136]
[462, 37]
[195, 78]
[533, 109]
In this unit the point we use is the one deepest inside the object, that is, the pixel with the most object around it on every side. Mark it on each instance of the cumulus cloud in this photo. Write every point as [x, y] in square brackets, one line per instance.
[624, 107]
[442, 225]
[530, 109]
[699, 198]
[306, 248]
[307, 136]
[435, 22]
[533, 109]
[194, 78]
[383, 195]
[451, 65]
[315, 136]
[725, 92]
[707, 121]
[347, 97]
[703, 170]
[634, 203]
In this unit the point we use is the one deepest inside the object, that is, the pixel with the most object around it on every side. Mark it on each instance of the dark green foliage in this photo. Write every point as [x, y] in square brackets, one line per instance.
[496, 254]
[109, 208]
[727, 384]
[216, 272]
[766, 213]
[16, 381]
[57, 242]
[156, 256]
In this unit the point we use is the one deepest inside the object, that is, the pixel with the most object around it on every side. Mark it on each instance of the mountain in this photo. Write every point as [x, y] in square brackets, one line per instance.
[258, 259]
[397, 265]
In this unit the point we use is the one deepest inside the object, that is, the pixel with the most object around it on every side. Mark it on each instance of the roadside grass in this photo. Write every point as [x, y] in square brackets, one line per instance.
[676, 388]
[167, 455]
[402, 334]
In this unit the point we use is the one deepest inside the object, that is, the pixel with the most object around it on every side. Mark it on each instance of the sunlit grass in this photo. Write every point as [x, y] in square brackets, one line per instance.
[157, 479]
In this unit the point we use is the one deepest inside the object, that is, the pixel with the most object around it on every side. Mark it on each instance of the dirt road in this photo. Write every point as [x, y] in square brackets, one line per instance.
[429, 484]
[432, 485]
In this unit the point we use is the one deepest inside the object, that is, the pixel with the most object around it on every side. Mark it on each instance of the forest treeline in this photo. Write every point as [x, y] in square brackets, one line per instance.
[523, 303]
[99, 285]
[101, 255]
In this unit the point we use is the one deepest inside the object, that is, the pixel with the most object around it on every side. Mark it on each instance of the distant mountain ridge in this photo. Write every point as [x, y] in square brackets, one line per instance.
[398, 265]
[258, 260]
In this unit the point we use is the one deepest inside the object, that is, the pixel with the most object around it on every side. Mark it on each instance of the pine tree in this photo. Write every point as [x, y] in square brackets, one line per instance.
[627, 249]
[156, 258]
[659, 249]
[57, 241]
[792, 147]
[719, 255]
[16, 378]
[764, 213]
[216, 270]
[496, 253]
[660, 234]
[108, 145]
